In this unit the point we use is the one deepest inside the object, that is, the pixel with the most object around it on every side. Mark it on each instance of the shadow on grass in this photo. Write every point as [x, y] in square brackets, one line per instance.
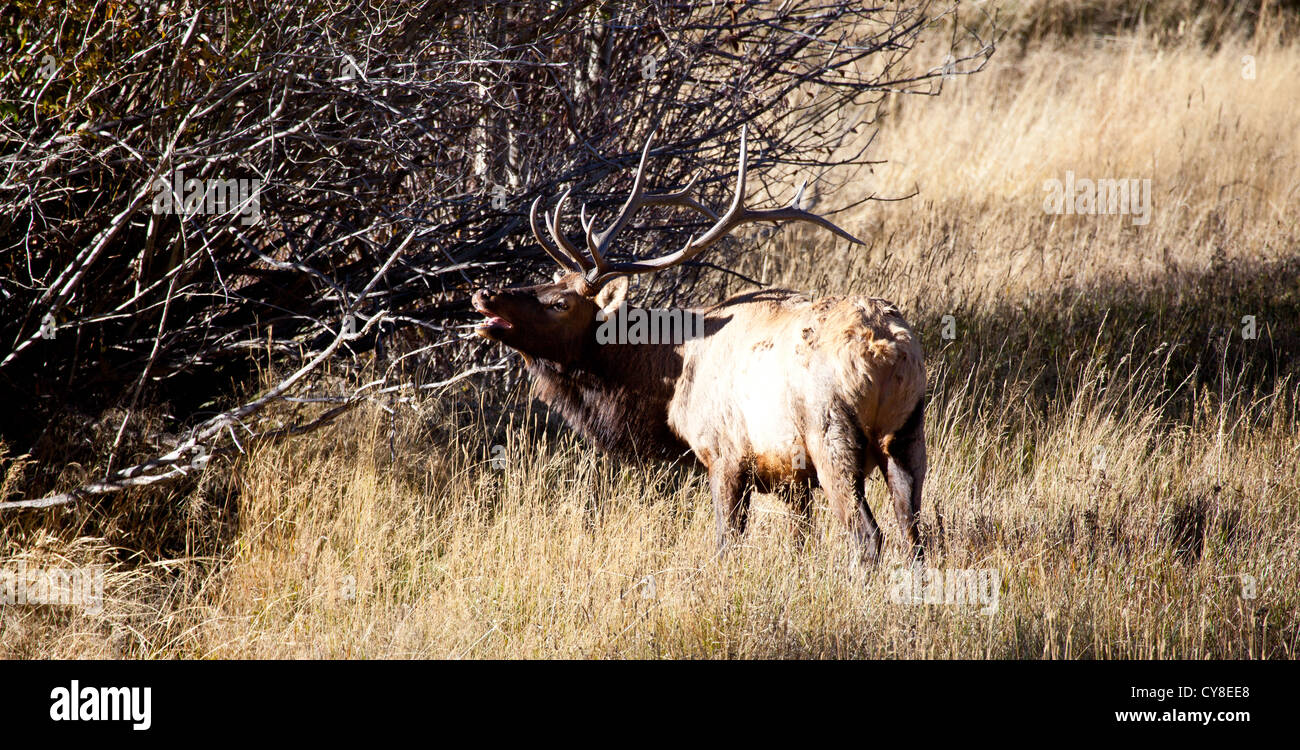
[1190, 329]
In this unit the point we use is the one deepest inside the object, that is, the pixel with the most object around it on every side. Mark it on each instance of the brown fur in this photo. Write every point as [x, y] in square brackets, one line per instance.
[616, 396]
[781, 389]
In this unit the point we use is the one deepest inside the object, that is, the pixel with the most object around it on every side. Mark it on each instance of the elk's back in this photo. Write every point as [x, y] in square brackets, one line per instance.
[775, 366]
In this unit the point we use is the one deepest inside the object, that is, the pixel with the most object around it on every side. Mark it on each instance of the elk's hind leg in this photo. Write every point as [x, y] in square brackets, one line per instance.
[799, 494]
[842, 462]
[731, 497]
[905, 472]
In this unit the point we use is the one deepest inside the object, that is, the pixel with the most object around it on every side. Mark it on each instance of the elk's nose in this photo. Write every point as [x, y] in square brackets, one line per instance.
[483, 296]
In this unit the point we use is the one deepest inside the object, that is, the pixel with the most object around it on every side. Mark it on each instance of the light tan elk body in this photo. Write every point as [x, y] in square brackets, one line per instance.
[779, 390]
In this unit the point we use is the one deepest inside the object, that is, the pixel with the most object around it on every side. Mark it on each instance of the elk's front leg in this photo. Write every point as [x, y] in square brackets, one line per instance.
[730, 502]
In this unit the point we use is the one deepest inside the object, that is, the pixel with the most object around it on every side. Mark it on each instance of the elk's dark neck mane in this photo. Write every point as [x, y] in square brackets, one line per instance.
[616, 395]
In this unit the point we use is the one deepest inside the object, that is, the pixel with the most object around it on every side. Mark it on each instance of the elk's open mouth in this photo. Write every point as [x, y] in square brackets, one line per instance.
[492, 321]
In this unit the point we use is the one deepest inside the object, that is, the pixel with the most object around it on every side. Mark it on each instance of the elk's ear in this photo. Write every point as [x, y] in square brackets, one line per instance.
[611, 296]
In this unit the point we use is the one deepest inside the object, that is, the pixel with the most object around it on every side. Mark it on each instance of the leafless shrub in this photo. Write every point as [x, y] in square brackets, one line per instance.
[389, 155]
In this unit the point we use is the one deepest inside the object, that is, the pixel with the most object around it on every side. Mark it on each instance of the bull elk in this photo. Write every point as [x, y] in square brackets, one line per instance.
[779, 390]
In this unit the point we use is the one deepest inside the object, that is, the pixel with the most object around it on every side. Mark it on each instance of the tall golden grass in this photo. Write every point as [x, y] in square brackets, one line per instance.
[1100, 432]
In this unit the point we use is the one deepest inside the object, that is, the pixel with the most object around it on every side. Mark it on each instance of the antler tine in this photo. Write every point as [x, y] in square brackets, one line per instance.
[556, 254]
[681, 197]
[587, 224]
[736, 215]
[553, 224]
[598, 243]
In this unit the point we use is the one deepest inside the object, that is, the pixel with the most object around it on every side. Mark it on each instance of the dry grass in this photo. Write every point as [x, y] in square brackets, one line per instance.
[1100, 433]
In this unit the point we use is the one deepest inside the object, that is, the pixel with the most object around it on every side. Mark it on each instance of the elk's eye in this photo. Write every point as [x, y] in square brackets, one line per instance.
[560, 304]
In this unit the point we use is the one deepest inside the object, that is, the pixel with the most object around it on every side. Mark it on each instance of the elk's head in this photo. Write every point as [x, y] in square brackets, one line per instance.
[548, 321]
[555, 321]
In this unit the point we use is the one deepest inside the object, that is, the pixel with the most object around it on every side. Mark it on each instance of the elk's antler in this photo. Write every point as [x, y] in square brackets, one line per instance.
[563, 251]
[599, 270]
